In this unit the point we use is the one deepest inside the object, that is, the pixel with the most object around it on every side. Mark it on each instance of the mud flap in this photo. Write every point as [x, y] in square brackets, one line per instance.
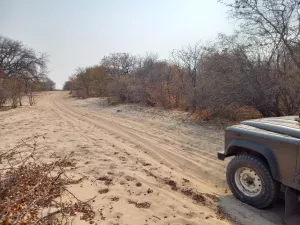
[292, 207]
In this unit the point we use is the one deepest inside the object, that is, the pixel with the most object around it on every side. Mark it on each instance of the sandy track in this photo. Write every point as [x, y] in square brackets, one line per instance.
[133, 150]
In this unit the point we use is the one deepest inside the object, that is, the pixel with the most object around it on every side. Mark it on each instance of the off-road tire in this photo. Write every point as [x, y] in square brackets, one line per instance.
[270, 188]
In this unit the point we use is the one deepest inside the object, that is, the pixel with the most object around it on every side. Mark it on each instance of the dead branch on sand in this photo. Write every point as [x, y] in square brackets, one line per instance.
[32, 192]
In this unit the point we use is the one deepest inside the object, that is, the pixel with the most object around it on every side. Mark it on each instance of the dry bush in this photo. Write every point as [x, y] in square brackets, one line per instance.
[202, 115]
[230, 79]
[3, 97]
[31, 98]
[241, 113]
[31, 191]
[114, 100]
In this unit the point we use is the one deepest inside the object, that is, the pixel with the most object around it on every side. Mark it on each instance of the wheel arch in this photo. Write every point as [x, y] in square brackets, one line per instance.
[239, 146]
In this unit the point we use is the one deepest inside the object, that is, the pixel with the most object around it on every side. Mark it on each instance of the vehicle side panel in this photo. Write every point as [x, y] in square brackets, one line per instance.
[281, 151]
[297, 172]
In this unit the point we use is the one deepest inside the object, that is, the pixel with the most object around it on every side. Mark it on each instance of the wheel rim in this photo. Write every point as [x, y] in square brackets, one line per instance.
[248, 182]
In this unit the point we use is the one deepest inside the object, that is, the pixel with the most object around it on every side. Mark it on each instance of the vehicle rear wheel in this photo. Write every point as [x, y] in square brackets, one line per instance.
[250, 181]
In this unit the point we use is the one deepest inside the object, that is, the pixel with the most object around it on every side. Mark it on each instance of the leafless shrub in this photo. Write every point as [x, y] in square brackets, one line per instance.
[14, 100]
[3, 97]
[31, 98]
[31, 191]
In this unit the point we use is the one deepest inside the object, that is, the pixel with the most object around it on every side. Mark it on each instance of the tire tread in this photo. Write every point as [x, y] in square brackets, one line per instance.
[271, 188]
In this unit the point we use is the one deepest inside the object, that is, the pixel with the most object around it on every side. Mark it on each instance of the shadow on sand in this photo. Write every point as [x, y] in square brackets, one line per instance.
[247, 215]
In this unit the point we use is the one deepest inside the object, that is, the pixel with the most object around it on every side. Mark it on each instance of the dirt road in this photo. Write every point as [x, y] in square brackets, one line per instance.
[161, 170]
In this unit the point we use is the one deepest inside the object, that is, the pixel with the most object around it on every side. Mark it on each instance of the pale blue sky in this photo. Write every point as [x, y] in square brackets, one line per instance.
[79, 33]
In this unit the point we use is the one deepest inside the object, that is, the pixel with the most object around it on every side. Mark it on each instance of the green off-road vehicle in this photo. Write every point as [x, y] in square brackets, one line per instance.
[266, 162]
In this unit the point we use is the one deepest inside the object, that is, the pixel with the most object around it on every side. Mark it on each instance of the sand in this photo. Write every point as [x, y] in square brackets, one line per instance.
[142, 165]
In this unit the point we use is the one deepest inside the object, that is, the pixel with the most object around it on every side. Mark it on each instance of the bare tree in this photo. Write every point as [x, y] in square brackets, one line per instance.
[20, 66]
[190, 59]
[119, 63]
[274, 22]
[16, 59]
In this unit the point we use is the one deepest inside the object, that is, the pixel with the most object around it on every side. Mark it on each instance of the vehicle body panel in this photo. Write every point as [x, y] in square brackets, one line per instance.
[276, 139]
